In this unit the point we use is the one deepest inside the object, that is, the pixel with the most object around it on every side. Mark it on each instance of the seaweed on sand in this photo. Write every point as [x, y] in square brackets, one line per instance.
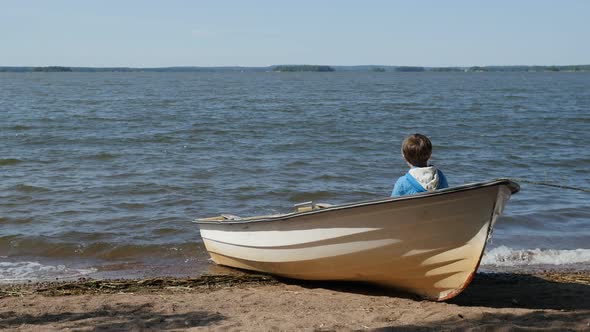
[85, 286]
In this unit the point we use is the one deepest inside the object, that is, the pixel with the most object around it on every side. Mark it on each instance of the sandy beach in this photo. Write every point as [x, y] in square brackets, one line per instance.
[502, 301]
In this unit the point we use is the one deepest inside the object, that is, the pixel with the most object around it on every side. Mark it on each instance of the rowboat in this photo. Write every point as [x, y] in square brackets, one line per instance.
[429, 244]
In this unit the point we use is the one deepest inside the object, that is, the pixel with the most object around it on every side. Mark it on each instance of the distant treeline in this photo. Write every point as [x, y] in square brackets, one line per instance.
[131, 69]
[569, 68]
[528, 68]
[52, 69]
[302, 68]
[290, 68]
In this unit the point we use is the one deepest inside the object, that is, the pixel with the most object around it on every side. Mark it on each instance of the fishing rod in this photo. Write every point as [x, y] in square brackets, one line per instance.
[549, 184]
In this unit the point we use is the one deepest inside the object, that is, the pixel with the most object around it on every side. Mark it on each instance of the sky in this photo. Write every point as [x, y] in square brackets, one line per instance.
[146, 33]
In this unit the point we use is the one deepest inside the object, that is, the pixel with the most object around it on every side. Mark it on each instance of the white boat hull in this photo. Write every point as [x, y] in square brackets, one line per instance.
[428, 244]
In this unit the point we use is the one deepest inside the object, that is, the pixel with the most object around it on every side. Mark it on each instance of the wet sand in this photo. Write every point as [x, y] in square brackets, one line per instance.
[502, 301]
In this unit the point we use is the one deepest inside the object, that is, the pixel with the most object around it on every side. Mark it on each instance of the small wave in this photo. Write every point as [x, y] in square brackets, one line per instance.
[297, 163]
[131, 206]
[329, 177]
[167, 231]
[102, 119]
[310, 196]
[582, 119]
[102, 156]
[21, 127]
[10, 161]
[162, 138]
[247, 188]
[202, 174]
[548, 219]
[9, 220]
[208, 131]
[505, 256]
[21, 271]
[42, 247]
[511, 97]
[25, 188]
[403, 105]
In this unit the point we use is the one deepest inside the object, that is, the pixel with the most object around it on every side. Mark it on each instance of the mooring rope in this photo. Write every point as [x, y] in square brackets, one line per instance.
[549, 184]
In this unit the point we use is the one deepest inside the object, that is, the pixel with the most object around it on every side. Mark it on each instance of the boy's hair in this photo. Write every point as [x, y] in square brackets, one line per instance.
[417, 149]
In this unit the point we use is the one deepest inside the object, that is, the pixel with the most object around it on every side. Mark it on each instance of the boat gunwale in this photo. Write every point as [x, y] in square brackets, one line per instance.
[513, 186]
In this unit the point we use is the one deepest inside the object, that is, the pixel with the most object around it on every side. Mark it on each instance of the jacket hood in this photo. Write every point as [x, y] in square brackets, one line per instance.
[427, 177]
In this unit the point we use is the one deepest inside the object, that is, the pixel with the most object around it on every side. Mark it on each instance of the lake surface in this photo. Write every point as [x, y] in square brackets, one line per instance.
[101, 173]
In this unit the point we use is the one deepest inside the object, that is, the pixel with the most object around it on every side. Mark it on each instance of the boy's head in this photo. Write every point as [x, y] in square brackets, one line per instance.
[416, 150]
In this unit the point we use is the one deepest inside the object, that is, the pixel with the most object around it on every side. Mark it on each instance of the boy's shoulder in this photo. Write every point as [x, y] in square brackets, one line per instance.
[402, 186]
[402, 179]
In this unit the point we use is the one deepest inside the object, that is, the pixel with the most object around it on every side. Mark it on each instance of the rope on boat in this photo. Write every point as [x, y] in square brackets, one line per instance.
[549, 184]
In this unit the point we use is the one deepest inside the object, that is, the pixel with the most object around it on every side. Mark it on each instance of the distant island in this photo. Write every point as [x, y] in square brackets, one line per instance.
[52, 69]
[473, 69]
[291, 68]
[304, 68]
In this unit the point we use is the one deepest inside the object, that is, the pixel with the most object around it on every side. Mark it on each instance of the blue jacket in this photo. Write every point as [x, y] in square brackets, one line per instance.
[420, 179]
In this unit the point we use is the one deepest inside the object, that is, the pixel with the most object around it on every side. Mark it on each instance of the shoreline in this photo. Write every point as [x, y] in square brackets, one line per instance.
[553, 300]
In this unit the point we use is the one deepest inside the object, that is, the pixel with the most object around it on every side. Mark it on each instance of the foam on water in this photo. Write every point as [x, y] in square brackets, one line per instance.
[35, 271]
[505, 256]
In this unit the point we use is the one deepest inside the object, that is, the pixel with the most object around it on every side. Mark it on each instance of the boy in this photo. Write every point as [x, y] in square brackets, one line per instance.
[416, 150]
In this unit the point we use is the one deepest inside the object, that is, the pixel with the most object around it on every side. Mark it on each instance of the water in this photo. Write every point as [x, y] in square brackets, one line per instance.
[101, 173]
